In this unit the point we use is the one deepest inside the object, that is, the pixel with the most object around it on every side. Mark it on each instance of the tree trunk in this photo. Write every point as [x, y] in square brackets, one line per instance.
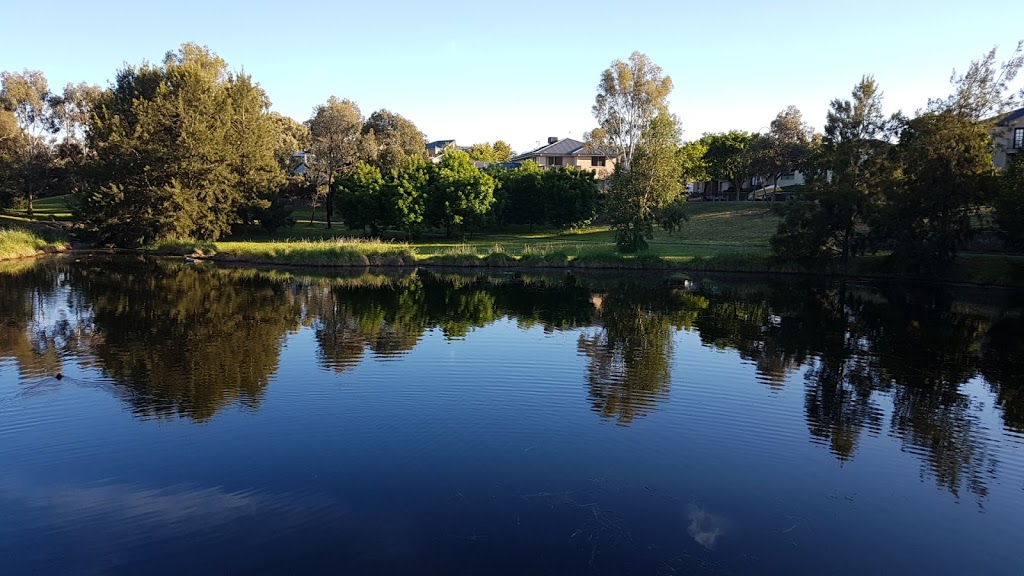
[330, 206]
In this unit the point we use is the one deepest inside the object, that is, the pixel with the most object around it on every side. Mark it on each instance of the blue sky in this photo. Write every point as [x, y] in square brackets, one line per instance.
[478, 71]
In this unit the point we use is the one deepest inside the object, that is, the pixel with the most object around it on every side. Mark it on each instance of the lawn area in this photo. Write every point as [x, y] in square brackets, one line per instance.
[46, 209]
[715, 228]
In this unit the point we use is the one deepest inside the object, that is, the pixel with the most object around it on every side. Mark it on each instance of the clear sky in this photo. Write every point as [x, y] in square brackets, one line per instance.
[481, 71]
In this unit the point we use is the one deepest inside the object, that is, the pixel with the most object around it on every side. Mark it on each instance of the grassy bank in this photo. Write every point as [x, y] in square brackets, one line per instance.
[720, 237]
[20, 243]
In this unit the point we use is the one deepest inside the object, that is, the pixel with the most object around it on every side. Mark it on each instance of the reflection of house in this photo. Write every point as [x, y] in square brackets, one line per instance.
[560, 153]
[1008, 136]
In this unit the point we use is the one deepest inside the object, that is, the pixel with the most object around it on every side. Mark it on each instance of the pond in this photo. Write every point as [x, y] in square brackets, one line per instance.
[162, 417]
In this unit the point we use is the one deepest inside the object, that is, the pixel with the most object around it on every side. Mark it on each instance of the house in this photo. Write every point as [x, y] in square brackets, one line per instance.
[1008, 137]
[436, 149]
[565, 152]
[300, 163]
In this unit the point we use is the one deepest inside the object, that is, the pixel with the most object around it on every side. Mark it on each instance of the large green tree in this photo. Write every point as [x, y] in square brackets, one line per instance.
[947, 168]
[653, 183]
[728, 157]
[361, 199]
[177, 150]
[460, 194]
[856, 152]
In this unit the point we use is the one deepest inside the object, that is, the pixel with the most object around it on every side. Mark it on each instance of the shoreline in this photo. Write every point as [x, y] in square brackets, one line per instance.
[758, 266]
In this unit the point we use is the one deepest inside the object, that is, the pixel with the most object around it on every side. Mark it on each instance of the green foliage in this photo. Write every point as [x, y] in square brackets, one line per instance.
[947, 169]
[693, 164]
[1009, 202]
[519, 197]
[178, 149]
[639, 194]
[500, 151]
[856, 151]
[727, 157]
[570, 197]
[460, 194]
[337, 144]
[629, 96]
[361, 199]
[392, 141]
[406, 195]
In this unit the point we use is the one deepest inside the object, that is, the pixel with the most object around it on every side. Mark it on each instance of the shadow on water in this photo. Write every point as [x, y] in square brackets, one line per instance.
[183, 340]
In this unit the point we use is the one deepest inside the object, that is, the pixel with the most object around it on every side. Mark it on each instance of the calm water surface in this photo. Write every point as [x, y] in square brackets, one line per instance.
[164, 418]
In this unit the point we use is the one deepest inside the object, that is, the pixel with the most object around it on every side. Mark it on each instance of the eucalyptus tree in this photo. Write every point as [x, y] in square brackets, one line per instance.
[629, 96]
[336, 143]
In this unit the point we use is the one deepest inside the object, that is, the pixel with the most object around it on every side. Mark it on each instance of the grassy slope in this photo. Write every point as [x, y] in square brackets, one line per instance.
[714, 228]
[46, 209]
[22, 243]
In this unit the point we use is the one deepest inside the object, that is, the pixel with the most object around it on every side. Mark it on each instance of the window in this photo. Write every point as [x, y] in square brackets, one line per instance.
[787, 175]
[597, 161]
[554, 160]
[1018, 138]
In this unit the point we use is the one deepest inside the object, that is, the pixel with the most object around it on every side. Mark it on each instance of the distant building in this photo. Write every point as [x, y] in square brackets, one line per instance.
[436, 149]
[565, 152]
[1008, 137]
[300, 163]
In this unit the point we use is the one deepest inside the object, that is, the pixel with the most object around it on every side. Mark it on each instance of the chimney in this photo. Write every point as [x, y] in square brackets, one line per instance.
[552, 139]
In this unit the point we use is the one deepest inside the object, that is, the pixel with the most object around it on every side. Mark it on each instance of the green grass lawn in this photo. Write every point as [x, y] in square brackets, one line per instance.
[714, 228]
[45, 209]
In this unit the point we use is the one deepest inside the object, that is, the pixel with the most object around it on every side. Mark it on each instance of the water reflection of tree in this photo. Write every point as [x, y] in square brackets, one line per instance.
[187, 340]
[1002, 364]
[43, 323]
[390, 320]
[862, 346]
[629, 357]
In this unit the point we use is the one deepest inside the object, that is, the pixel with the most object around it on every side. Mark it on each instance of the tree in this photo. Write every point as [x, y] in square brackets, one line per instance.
[336, 132]
[947, 169]
[460, 194]
[292, 137]
[360, 197]
[570, 197]
[855, 149]
[1009, 202]
[177, 150]
[393, 140]
[500, 151]
[629, 96]
[651, 184]
[519, 196]
[785, 148]
[693, 165]
[25, 96]
[405, 192]
[253, 136]
[69, 111]
[727, 157]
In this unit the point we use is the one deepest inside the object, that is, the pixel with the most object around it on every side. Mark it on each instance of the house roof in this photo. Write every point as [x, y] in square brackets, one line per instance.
[439, 143]
[566, 147]
[1009, 117]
